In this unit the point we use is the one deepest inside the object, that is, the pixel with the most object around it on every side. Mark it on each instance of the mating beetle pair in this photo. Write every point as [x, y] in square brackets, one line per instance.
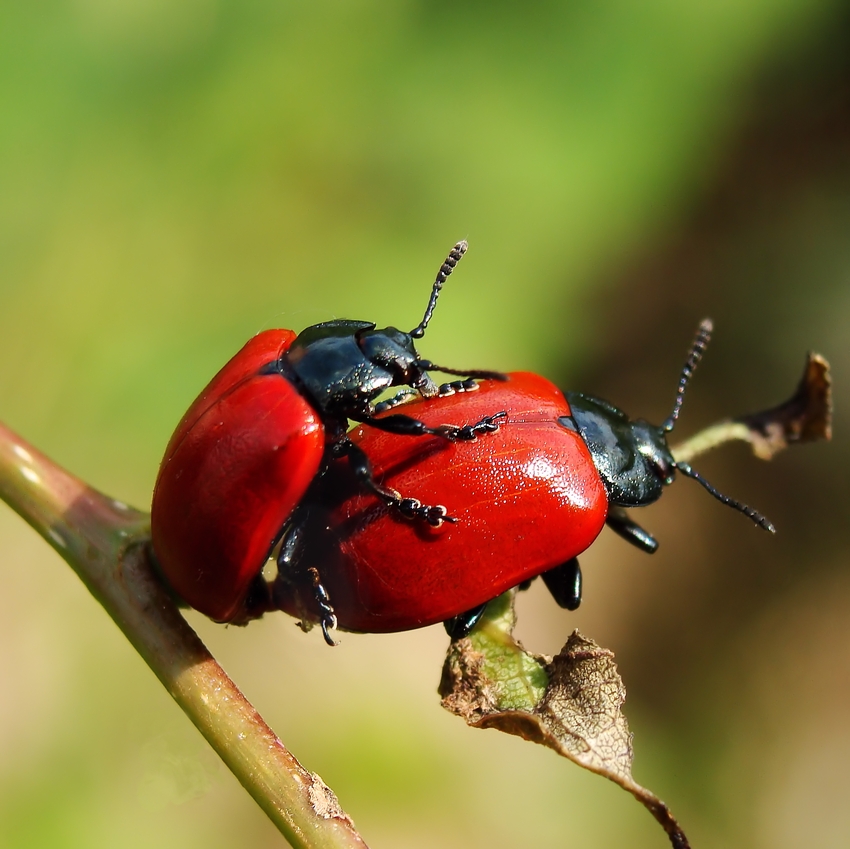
[407, 531]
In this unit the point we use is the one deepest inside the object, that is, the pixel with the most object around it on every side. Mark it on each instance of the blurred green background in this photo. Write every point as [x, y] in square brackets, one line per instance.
[175, 177]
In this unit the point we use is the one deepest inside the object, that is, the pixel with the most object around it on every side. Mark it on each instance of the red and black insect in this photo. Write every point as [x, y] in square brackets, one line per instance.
[528, 500]
[246, 452]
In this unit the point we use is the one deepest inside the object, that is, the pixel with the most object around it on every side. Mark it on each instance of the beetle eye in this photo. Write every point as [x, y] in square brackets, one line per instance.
[388, 348]
[663, 467]
[666, 473]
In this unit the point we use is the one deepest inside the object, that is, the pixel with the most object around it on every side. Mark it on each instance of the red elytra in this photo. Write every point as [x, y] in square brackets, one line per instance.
[252, 462]
[246, 452]
[526, 498]
[224, 492]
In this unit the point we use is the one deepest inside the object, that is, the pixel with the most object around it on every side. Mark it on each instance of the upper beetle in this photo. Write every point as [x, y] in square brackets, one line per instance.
[245, 453]
[528, 500]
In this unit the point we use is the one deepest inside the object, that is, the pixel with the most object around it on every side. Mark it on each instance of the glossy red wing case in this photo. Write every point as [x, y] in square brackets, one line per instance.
[262, 349]
[237, 465]
[526, 498]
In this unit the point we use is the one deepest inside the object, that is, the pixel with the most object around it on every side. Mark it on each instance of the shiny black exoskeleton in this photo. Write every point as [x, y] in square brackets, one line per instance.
[633, 458]
[342, 366]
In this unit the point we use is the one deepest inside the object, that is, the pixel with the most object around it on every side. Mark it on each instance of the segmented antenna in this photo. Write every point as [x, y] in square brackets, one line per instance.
[757, 517]
[697, 350]
[454, 257]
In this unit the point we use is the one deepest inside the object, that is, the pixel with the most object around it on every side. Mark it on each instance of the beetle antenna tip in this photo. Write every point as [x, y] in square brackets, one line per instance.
[454, 257]
[762, 521]
[698, 347]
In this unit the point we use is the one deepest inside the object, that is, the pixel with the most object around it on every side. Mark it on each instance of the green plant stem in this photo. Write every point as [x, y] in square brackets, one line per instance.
[711, 438]
[105, 542]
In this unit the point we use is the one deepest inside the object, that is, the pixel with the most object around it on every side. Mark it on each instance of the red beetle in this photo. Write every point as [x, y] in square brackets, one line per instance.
[268, 423]
[527, 500]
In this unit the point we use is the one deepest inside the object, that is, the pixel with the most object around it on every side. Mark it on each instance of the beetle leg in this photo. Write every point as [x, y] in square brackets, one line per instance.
[444, 391]
[286, 563]
[459, 626]
[621, 523]
[399, 398]
[290, 543]
[410, 508]
[564, 583]
[403, 425]
[469, 433]
[328, 620]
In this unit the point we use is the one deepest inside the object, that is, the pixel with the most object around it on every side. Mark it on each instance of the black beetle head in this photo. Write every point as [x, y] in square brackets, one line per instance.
[393, 350]
[633, 457]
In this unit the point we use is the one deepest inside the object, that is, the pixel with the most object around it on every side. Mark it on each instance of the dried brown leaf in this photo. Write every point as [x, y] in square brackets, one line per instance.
[805, 417]
[571, 703]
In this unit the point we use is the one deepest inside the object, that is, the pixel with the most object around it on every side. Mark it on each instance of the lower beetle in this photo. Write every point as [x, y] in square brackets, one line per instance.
[247, 450]
[528, 500]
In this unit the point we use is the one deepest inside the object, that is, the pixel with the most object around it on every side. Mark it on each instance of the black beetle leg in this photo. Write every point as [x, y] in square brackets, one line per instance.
[287, 558]
[401, 397]
[290, 544]
[410, 508]
[407, 426]
[622, 524]
[444, 391]
[328, 620]
[459, 626]
[564, 583]
[469, 433]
